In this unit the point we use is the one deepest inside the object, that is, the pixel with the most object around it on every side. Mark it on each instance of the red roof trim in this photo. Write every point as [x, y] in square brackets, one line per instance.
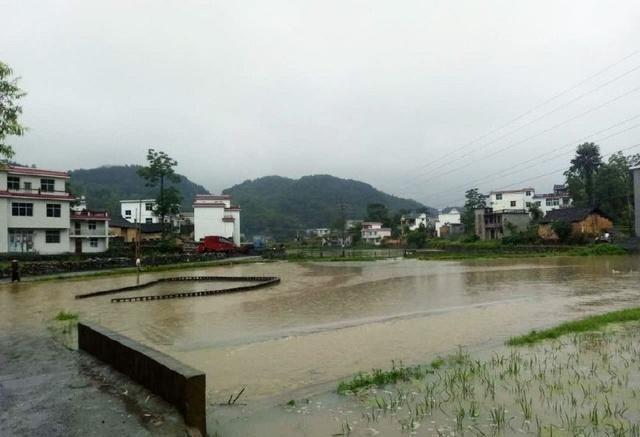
[9, 194]
[36, 172]
[213, 197]
[228, 219]
[208, 205]
[233, 208]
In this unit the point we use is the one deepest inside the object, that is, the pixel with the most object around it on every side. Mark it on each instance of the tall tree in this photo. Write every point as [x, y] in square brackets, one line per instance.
[10, 110]
[581, 174]
[613, 188]
[473, 200]
[377, 212]
[159, 171]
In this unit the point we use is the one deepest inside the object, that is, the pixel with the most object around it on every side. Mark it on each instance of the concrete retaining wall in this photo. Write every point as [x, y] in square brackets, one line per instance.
[180, 385]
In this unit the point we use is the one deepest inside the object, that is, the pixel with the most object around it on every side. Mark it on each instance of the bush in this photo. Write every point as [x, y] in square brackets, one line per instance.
[562, 230]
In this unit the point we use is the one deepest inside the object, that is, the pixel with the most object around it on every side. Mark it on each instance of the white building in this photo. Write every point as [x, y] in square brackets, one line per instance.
[214, 215]
[507, 200]
[34, 210]
[139, 211]
[374, 233]
[318, 232]
[416, 221]
[89, 232]
[451, 217]
[523, 199]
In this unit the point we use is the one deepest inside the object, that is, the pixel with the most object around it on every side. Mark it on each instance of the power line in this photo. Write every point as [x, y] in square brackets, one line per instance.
[530, 111]
[514, 168]
[544, 131]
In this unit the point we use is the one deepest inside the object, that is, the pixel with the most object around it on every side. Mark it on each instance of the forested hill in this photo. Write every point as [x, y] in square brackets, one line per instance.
[104, 187]
[279, 206]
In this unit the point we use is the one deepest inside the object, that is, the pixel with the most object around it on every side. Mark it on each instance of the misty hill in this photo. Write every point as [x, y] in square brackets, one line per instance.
[279, 206]
[105, 186]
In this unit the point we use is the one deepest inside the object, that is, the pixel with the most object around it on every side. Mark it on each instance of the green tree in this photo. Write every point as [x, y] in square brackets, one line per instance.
[613, 190]
[158, 172]
[536, 214]
[377, 212]
[473, 200]
[10, 110]
[562, 229]
[581, 174]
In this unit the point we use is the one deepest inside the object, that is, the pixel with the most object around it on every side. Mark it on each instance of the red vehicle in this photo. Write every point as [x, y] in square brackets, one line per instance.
[214, 243]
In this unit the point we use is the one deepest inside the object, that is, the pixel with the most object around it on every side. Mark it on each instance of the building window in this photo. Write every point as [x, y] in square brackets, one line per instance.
[148, 220]
[53, 237]
[53, 210]
[538, 203]
[47, 185]
[27, 186]
[527, 193]
[148, 206]
[92, 225]
[127, 213]
[22, 209]
[93, 242]
[13, 183]
[513, 203]
[499, 196]
[565, 201]
[528, 204]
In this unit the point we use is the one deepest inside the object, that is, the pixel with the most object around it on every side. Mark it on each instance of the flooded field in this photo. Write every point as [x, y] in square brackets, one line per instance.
[327, 321]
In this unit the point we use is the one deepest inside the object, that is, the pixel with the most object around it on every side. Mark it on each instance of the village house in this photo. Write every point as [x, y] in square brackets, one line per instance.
[494, 225]
[586, 223]
[449, 218]
[215, 215]
[374, 233]
[89, 231]
[415, 221]
[317, 232]
[560, 198]
[511, 199]
[36, 215]
[139, 211]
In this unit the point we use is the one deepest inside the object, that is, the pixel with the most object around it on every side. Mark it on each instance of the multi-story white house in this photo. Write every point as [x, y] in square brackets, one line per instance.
[139, 211]
[89, 231]
[374, 233]
[507, 200]
[214, 215]
[560, 198]
[418, 220]
[451, 217]
[34, 210]
[523, 199]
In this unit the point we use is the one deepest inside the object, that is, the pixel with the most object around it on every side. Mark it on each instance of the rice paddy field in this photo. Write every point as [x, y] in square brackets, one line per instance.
[585, 384]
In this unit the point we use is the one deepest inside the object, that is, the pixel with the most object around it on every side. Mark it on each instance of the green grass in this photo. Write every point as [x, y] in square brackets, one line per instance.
[497, 251]
[64, 316]
[380, 378]
[592, 323]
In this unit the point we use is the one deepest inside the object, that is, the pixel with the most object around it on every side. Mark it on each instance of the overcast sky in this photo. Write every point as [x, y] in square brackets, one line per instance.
[398, 94]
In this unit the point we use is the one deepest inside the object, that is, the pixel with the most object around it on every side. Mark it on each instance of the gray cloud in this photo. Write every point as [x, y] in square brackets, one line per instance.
[371, 90]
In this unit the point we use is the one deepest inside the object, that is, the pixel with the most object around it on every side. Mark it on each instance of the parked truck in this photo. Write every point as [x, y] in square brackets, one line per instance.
[221, 246]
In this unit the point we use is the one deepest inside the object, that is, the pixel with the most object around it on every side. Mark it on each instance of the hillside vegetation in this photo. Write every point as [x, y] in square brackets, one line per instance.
[106, 186]
[280, 206]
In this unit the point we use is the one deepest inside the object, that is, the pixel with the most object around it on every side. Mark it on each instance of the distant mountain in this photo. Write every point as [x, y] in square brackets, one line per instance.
[105, 186]
[279, 206]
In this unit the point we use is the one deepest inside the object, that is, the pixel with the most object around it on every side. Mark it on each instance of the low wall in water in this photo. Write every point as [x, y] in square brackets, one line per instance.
[180, 385]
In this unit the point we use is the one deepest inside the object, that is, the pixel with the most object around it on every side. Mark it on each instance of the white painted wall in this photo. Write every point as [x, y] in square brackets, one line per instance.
[506, 200]
[138, 212]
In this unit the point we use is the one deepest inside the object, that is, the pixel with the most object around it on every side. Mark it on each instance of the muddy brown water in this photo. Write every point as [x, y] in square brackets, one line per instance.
[326, 321]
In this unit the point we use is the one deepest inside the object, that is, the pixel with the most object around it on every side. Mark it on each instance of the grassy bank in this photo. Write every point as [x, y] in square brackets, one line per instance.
[592, 323]
[497, 250]
[125, 271]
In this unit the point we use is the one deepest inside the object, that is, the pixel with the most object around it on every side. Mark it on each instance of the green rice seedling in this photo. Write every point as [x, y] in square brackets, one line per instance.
[460, 414]
[64, 316]
[474, 410]
[498, 417]
[526, 405]
[594, 418]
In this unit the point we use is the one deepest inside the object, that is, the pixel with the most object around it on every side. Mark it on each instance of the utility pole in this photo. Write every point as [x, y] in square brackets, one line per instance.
[343, 223]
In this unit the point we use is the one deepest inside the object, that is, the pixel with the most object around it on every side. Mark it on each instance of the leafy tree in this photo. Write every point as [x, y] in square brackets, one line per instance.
[377, 212]
[159, 171]
[562, 229]
[536, 214]
[10, 110]
[581, 174]
[613, 191]
[418, 238]
[473, 200]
